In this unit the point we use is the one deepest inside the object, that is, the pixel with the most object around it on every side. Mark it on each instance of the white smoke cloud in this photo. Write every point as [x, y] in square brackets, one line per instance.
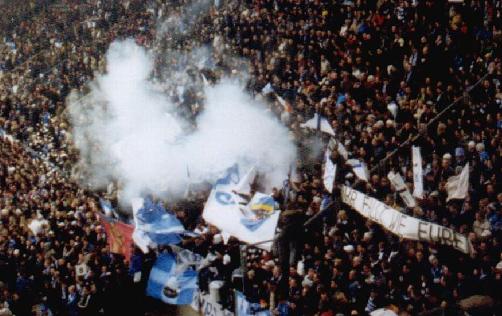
[128, 131]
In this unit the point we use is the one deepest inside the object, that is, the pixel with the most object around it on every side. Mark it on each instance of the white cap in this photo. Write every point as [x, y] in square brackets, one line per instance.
[447, 156]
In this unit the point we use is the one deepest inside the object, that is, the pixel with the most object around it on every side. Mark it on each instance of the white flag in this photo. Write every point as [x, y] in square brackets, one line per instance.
[403, 225]
[457, 186]
[324, 124]
[418, 177]
[329, 172]
[267, 89]
[231, 214]
[360, 169]
[244, 185]
[338, 146]
[398, 183]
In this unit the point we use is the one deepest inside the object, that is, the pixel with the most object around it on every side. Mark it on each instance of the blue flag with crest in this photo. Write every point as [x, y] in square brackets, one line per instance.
[169, 283]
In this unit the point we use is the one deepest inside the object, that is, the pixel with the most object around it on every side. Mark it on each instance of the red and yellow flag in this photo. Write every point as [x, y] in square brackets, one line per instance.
[119, 236]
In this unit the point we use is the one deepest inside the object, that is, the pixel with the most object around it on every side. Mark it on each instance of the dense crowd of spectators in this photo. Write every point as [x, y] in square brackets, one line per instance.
[348, 60]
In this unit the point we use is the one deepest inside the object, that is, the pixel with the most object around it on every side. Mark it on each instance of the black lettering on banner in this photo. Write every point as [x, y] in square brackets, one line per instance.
[447, 236]
[431, 236]
[353, 198]
[345, 197]
[458, 241]
[366, 206]
[208, 309]
[422, 230]
[381, 211]
[402, 218]
[435, 236]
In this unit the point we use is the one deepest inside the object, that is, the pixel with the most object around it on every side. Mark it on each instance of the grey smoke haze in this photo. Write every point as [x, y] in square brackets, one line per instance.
[128, 131]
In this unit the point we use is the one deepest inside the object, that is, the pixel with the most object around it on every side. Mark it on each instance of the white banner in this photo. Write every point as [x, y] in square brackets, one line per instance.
[458, 186]
[244, 308]
[207, 307]
[329, 172]
[418, 175]
[401, 224]
[401, 188]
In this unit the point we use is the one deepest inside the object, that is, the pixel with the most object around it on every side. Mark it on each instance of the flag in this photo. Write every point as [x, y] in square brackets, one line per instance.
[107, 208]
[154, 226]
[245, 183]
[119, 236]
[244, 308]
[170, 284]
[231, 213]
[329, 172]
[458, 186]
[267, 89]
[338, 146]
[285, 104]
[152, 217]
[360, 169]
[321, 122]
[418, 178]
[398, 183]
[145, 240]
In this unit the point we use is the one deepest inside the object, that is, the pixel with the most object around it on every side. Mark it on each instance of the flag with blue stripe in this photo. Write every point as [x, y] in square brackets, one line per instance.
[152, 218]
[234, 215]
[170, 284]
[153, 225]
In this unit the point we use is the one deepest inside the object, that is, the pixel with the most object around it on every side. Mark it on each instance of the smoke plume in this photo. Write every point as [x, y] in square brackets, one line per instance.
[128, 131]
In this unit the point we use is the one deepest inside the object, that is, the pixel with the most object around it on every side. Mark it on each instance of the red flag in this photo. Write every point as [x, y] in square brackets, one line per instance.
[119, 236]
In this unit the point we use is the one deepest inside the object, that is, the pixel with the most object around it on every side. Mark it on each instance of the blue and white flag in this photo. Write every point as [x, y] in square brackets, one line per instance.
[398, 183]
[170, 284]
[232, 214]
[319, 122]
[267, 89]
[107, 208]
[153, 225]
[360, 169]
[152, 217]
[244, 308]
